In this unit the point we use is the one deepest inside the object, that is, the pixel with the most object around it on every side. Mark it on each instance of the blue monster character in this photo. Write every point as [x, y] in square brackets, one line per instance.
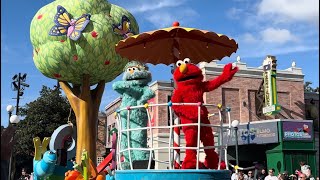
[45, 166]
[135, 91]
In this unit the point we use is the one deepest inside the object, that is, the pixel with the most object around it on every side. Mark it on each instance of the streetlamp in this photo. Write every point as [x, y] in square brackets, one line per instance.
[10, 109]
[235, 124]
[13, 120]
[19, 85]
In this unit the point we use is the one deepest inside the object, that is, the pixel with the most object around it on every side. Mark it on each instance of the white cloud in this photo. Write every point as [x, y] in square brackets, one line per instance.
[160, 20]
[280, 36]
[152, 5]
[234, 12]
[290, 10]
[262, 51]
[160, 13]
[277, 27]
[248, 38]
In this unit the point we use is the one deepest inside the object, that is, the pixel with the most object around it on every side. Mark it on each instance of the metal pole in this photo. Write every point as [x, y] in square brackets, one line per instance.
[10, 162]
[18, 94]
[237, 158]
[10, 113]
[9, 170]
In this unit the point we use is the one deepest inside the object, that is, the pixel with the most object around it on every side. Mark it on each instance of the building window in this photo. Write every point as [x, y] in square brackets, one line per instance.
[108, 134]
[231, 98]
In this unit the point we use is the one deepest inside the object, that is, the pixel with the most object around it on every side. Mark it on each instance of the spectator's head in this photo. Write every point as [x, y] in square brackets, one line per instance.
[302, 163]
[293, 177]
[286, 173]
[23, 171]
[281, 177]
[250, 173]
[241, 176]
[297, 172]
[302, 176]
[263, 171]
[271, 172]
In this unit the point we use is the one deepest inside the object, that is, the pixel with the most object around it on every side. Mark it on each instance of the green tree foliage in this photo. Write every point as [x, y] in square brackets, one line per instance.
[59, 57]
[42, 117]
[308, 88]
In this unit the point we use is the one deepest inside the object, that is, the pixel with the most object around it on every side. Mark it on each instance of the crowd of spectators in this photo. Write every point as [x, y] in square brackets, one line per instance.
[304, 173]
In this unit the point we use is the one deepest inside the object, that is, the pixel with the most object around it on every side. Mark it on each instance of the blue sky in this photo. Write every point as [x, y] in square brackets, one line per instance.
[288, 29]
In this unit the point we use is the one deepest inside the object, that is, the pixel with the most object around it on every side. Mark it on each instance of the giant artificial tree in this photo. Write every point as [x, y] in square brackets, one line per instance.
[80, 64]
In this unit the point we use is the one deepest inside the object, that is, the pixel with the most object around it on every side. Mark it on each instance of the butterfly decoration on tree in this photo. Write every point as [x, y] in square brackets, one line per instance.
[123, 28]
[64, 25]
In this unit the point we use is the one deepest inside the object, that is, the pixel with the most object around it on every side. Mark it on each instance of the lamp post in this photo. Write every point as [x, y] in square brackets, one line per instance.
[235, 124]
[10, 109]
[14, 119]
[19, 85]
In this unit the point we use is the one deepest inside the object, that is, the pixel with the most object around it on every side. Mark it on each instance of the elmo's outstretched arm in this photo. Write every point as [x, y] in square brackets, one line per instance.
[226, 76]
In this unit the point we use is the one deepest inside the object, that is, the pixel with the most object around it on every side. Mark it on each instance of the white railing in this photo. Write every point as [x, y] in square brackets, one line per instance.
[170, 147]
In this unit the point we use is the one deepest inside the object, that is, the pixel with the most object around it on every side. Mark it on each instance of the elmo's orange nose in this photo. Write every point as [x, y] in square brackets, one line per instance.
[183, 68]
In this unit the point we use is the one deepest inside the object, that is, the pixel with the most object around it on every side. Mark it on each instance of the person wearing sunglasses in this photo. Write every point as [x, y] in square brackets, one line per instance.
[250, 175]
[271, 175]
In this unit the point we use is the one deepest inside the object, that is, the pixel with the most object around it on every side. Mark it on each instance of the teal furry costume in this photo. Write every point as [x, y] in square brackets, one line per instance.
[135, 91]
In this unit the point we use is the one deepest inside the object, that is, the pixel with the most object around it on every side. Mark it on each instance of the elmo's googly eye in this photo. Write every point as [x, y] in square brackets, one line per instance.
[179, 63]
[186, 60]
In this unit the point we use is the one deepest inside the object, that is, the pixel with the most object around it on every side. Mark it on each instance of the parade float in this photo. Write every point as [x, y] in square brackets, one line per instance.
[83, 44]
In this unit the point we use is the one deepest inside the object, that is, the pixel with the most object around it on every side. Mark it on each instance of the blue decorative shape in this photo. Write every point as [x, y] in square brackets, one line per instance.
[173, 174]
[169, 103]
[45, 166]
[60, 136]
[228, 109]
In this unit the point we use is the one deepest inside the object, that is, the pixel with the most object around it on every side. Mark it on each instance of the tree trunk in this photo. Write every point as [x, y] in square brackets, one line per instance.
[85, 104]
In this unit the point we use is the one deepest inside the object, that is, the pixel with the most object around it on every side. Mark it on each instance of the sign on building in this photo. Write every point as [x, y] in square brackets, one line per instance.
[271, 106]
[257, 133]
[297, 131]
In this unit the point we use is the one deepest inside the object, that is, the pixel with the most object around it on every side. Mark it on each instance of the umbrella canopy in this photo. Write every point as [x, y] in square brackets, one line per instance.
[166, 46]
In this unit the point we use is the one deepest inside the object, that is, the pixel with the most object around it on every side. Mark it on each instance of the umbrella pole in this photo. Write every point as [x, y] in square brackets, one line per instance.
[176, 57]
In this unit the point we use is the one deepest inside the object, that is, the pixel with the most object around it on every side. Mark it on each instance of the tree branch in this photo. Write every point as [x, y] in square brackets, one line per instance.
[98, 91]
[85, 88]
[73, 99]
[76, 89]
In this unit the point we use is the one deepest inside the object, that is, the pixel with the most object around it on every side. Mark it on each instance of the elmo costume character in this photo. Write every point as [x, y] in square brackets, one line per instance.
[190, 89]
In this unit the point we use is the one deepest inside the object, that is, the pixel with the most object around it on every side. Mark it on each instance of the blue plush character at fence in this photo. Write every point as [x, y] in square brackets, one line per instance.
[43, 166]
[135, 91]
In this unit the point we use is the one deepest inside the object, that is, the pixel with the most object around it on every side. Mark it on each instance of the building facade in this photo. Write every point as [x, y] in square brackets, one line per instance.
[240, 94]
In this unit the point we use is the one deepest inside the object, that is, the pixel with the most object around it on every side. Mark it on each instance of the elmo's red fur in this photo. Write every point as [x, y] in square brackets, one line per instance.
[190, 89]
